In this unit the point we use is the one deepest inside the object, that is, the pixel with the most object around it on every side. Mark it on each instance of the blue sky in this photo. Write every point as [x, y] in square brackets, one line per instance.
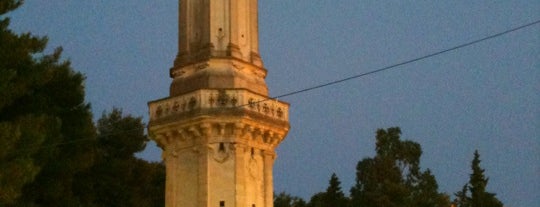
[483, 97]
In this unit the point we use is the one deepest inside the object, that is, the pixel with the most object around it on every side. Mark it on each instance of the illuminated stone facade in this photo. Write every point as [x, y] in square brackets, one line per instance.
[218, 129]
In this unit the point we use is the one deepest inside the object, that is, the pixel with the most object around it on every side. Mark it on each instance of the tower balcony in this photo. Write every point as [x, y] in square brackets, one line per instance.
[217, 101]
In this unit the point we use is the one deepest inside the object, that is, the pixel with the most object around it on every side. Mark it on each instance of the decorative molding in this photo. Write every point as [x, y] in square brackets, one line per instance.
[240, 99]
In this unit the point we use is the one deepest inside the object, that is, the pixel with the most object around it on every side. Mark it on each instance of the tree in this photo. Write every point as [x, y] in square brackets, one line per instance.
[285, 200]
[41, 110]
[333, 197]
[478, 196]
[316, 200]
[478, 182]
[118, 178]
[120, 136]
[425, 192]
[17, 167]
[393, 177]
[462, 199]
[50, 151]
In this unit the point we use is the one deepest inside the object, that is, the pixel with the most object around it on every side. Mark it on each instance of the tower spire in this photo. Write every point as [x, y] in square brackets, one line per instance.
[218, 46]
[225, 28]
[217, 129]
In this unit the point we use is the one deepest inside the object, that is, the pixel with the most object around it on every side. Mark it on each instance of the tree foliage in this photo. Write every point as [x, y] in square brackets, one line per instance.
[18, 141]
[474, 193]
[42, 104]
[332, 197]
[285, 200]
[118, 178]
[425, 192]
[462, 199]
[120, 136]
[50, 151]
[393, 177]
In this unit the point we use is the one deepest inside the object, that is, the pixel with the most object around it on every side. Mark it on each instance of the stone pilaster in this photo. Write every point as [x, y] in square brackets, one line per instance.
[203, 158]
[269, 157]
[240, 175]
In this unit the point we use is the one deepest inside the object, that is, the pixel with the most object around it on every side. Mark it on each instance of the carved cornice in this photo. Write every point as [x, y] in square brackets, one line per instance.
[179, 137]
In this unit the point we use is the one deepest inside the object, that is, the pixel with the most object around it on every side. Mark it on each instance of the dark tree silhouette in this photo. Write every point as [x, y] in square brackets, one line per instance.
[42, 109]
[474, 193]
[393, 177]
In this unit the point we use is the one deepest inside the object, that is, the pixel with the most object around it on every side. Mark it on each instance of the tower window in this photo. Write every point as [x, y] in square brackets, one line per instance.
[221, 147]
[222, 204]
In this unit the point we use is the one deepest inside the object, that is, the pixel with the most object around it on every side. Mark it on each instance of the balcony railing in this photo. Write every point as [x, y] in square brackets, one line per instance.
[219, 98]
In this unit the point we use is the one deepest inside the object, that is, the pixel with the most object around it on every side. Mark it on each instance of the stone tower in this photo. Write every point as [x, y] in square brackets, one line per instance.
[218, 129]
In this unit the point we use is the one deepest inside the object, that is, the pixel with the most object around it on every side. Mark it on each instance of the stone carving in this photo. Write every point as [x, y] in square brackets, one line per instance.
[211, 98]
[251, 103]
[238, 66]
[266, 109]
[220, 34]
[192, 103]
[234, 101]
[201, 66]
[279, 112]
[223, 98]
[176, 106]
[253, 168]
[159, 111]
[221, 154]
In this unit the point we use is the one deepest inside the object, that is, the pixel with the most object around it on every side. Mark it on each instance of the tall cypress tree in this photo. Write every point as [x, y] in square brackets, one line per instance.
[334, 196]
[474, 193]
[462, 198]
[477, 186]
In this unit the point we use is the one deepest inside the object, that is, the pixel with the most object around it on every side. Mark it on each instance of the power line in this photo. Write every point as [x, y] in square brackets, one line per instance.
[408, 61]
[340, 80]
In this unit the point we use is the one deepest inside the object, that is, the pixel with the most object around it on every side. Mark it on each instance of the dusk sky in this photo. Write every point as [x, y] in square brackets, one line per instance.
[485, 96]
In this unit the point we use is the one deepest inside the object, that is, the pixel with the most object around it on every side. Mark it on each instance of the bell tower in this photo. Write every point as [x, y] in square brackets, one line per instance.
[218, 129]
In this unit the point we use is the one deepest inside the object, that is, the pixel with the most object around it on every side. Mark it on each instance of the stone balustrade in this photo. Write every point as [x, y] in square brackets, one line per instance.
[216, 99]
